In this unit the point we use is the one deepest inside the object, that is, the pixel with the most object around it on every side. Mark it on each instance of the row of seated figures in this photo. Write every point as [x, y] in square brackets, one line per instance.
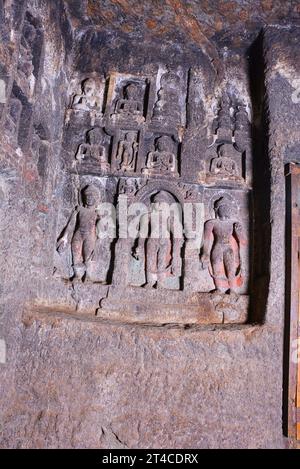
[130, 104]
[226, 164]
[128, 99]
[96, 151]
[224, 160]
[156, 251]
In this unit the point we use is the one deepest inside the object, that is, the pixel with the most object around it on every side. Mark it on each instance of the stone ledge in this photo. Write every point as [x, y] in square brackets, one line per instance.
[144, 305]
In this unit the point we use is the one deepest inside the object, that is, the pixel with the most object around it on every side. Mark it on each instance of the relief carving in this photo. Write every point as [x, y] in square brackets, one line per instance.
[223, 125]
[88, 250]
[139, 149]
[95, 150]
[162, 161]
[241, 120]
[222, 241]
[30, 55]
[127, 152]
[89, 98]
[158, 245]
[242, 128]
[131, 103]
[129, 186]
[225, 164]
[167, 106]
[227, 158]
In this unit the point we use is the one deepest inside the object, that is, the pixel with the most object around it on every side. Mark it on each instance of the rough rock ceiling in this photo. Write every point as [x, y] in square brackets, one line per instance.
[233, 22]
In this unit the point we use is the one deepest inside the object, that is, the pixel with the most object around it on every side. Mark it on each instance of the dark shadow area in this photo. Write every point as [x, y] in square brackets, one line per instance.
[286, 348]
[25, 121]
[37, 44]
[261, 240]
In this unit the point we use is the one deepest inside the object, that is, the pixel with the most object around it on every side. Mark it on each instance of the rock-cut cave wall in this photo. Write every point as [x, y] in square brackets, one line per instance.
[119, 342]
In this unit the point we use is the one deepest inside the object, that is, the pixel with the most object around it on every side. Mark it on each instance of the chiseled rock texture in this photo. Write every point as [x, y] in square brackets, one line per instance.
[108, 386]
[75, 382]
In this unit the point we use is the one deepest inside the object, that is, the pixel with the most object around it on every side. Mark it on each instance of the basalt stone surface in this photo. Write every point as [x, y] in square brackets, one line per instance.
[125, 342]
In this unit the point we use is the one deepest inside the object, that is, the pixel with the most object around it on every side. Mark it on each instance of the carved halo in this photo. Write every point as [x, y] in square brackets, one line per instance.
[152, 187]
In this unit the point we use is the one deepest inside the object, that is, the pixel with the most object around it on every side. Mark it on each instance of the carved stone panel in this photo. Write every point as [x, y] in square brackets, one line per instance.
[90, 96]
[94, 153]
[167, 107]
[127, 98]
[185, 233]
[84, 245]
[126, 151]
[162, 159]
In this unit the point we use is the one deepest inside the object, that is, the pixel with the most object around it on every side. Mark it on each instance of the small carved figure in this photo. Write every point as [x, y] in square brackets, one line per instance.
[128, 186]
[241, 118]
[167, 104]
[94, 150]
[223, 238]
[223, 125]
[88, 100]
[127, 152]
[162, 160]
[242, 133]
[157, 244]
[131, 104]
[224, 164]
[80, 232]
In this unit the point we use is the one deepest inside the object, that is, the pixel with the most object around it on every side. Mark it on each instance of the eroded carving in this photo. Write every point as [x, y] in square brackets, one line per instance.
[222, 240]
[241, 120]
[131, 103]
[95, 150]
[89, 98]
[242, 128]
[226, 164]
[223, 125]
[88, 249]
[154, 158]
[167, 106]
[127, 152]
[30, 54]
[159, 243]
[129, 186]
[162, 160]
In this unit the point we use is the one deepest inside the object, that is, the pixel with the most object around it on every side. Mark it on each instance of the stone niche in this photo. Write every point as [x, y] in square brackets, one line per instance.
[129, 176]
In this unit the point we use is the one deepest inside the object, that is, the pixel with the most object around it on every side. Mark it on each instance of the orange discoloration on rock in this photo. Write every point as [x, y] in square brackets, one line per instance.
[219, 25]
[267, 5]
[185, 18]
[125, 5]
[43, 208]
[244, 15]
[151, 24]
[30, 175]
[127, 28]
